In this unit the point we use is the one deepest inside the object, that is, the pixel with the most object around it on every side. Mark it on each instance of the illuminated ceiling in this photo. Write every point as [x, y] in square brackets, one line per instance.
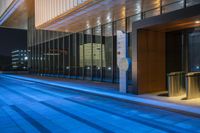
[16, 14]
[78, 18]
[96, 13]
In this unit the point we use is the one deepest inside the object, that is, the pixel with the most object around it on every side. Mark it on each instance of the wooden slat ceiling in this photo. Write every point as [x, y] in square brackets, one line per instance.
[101, 13]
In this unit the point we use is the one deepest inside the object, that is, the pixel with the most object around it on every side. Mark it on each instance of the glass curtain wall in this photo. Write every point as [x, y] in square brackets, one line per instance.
[89, 55]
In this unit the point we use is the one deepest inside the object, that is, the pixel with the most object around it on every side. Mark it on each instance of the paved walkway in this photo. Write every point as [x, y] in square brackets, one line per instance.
[27, 106]
[190, 107]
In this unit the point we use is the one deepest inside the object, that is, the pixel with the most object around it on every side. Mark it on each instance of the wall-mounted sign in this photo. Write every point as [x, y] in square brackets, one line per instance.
[121, 46]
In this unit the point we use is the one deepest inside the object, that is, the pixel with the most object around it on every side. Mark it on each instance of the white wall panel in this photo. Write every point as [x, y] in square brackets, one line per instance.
[4, 4]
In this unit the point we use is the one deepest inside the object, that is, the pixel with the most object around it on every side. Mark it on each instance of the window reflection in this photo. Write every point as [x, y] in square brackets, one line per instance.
[87, 49]
[194, 55]
[107, 31]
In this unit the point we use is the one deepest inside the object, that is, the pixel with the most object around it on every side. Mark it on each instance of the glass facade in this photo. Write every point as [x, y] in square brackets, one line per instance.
[92, 54]
[89, 55]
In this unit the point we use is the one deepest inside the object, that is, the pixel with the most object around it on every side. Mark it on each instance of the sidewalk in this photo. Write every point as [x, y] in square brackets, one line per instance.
[111, 91]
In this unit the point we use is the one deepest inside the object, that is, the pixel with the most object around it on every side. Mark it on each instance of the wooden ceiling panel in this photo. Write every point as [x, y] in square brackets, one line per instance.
[177, 25]
[100, 13]
[19, 18]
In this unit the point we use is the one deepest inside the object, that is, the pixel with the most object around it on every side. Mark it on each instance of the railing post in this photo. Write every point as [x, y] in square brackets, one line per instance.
[161, 8]
[185, 3]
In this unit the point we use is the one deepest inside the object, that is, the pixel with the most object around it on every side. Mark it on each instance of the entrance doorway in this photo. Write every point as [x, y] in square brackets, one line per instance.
[163, 50]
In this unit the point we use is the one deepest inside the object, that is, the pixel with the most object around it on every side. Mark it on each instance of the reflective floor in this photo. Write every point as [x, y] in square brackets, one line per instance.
[32, 107]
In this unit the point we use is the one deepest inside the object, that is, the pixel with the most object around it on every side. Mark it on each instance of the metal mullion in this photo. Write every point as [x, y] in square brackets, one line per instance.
[75, 43]
[58, 50]
[101, 53]
[83, 41]
[161, 7]
[49, 58]
[38, 55]
[47, 43]
[63, 54]
[187, 53]
[113, 52]
[33, 55]
[92, 40]
[185, 3]
[69, 58]
[35, 52]
[53, 52]
[31, 47]
[142, 13]
[45, 55]
[37, 49]
[41, 49]
[42, 53]
[39, 52]
[35, 42]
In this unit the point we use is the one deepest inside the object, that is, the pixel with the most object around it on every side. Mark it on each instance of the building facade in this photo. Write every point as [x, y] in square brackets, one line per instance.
[19, 60]
[78, 39]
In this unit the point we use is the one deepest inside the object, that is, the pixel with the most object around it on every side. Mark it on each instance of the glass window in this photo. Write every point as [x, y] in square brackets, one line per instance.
[87, 54]
[72, 56]
[66, 56]
[107, 52]
[79, 55]
[194, 54]
[150, 8]
[42, 58]
[51, 56]
[192, 2]
[56, 56]
[47, 66]
[61, 55]
[34, 58]
[172, 5]
[38, 58]
[97, 53]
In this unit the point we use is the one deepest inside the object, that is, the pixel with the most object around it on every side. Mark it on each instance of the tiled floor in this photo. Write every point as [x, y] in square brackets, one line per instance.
[32, 107]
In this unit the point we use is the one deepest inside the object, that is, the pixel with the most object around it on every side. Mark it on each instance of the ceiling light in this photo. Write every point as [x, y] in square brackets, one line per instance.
[197, 22]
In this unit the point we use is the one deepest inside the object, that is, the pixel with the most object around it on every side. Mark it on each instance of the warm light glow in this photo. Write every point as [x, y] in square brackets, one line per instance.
[197, 22]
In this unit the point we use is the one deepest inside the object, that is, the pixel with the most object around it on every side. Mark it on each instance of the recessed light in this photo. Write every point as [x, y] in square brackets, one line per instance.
[197, 22]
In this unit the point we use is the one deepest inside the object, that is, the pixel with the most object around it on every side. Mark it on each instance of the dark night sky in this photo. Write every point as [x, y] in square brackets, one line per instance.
[11, 39]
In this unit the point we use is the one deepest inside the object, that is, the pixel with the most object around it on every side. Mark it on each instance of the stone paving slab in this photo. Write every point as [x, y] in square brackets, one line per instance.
[50, 108]
[186, 109]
